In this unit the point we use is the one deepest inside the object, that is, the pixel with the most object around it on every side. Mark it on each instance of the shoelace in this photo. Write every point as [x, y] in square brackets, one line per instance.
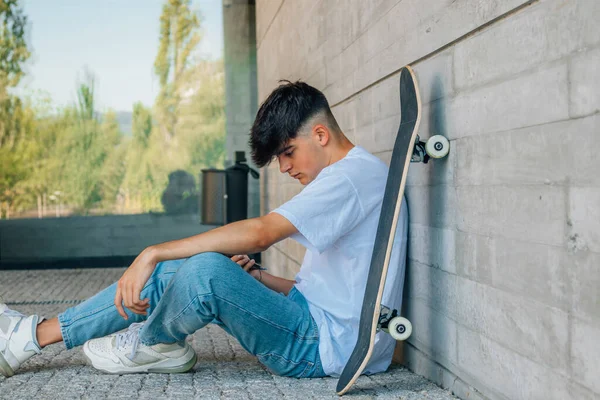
[130, 337]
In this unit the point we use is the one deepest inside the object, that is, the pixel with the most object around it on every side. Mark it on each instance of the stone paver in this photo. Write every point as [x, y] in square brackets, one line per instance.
[224, 369]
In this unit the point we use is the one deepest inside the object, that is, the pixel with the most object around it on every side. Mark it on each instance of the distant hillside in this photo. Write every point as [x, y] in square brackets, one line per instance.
[125, 118]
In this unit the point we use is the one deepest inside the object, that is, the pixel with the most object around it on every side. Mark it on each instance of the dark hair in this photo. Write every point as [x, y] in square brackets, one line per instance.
[281, 116]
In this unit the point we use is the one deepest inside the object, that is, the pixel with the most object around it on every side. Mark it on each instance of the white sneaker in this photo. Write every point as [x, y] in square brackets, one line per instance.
[18, 341]
[124, 354]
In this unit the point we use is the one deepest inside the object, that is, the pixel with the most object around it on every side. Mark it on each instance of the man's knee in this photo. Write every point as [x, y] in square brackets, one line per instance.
[167, 267]
[207, 259]
[205, 265]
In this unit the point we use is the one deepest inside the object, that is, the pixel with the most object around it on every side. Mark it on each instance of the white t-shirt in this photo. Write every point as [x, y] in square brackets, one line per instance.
[337, 216]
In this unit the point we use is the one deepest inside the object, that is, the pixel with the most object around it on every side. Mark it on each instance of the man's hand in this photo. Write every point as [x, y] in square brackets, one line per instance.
[130, 286]
[247, 263]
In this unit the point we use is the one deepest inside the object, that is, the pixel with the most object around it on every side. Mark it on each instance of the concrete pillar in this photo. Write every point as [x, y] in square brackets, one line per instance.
[241, 84]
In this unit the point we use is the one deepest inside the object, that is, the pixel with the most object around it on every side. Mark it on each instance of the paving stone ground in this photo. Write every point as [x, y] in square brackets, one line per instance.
[224, 369]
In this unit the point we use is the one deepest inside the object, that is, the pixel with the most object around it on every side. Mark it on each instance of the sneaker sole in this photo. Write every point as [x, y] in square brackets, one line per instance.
[176, 369]
[5, 368]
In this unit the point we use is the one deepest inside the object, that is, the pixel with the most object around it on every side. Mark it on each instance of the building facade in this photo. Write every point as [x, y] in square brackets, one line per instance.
[504, 242]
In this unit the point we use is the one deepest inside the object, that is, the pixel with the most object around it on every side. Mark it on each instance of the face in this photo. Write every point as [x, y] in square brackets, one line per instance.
[303, 158]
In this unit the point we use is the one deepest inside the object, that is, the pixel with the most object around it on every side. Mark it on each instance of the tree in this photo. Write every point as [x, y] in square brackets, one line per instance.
[139, 179]
[85, 149]
[179, 36]
[12, 173]
[202, 120]
[156, 148]
[85, 98]
[13, 55]
[44, 161]
[113, 168]
[141, 125]
[83, 155]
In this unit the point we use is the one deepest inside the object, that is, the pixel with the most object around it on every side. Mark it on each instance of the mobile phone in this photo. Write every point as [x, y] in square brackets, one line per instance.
[258, 266]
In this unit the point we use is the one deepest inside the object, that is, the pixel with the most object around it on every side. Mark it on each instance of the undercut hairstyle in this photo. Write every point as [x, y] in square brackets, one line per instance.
[283, 115]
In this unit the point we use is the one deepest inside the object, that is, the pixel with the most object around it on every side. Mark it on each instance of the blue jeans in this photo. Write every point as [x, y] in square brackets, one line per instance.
[185, 295]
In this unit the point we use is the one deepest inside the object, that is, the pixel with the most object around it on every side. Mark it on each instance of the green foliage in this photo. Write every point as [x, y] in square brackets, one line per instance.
[141, 126]
[15, 154]
[113, 169]
[75, 157]
[179, 36]
[13, 54]
[140, 186]
[84, 149]
[85, 99]
[13, 47]
[202, 122]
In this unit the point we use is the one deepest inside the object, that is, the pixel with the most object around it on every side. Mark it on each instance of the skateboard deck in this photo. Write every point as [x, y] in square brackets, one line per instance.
[410, 117]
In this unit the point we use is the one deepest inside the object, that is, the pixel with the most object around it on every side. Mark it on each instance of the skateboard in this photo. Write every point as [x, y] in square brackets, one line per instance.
[407, 148]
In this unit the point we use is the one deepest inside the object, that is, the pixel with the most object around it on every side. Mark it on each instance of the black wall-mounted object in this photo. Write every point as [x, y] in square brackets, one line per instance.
[225, 192]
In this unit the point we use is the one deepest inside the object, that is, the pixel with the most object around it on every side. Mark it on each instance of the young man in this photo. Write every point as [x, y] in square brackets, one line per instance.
[173, 289]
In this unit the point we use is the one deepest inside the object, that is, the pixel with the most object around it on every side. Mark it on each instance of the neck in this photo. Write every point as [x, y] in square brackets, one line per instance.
[341, 150]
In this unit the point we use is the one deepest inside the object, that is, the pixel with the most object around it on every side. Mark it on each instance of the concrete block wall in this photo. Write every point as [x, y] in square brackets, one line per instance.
[503, 276]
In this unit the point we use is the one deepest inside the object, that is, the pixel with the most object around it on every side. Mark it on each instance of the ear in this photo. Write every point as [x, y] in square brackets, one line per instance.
[321, 134]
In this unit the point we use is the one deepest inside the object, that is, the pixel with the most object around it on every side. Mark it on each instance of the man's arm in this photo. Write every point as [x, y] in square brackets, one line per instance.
[275, 283]
[241, 237]
[247, 236]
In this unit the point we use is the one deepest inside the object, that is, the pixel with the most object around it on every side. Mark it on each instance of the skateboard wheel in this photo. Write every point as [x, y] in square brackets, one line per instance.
[437, 146]
[400, 328]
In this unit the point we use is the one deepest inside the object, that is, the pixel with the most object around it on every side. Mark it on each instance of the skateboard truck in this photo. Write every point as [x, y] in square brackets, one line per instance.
[436, 146]
[390, 321]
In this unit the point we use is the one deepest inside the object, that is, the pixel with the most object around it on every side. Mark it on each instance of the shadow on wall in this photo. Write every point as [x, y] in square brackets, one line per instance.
[437, 213]
[434, 331]
[181, 195]
[101, 240]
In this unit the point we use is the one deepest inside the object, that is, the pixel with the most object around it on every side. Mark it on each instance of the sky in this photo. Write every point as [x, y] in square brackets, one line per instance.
[116, 40]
